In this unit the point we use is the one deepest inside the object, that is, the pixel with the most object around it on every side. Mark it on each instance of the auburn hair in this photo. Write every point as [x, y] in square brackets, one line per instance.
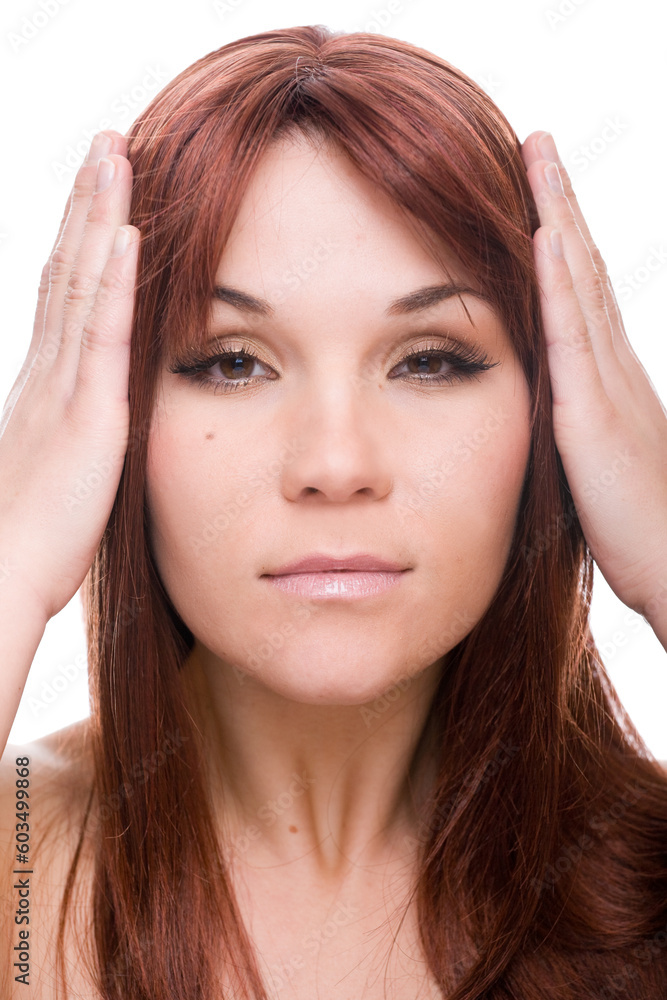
[543, 853]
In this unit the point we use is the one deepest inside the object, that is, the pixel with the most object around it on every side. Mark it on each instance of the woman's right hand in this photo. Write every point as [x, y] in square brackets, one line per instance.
[64, 427]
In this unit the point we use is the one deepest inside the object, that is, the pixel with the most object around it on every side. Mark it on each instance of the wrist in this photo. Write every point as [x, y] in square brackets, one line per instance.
[17, 596]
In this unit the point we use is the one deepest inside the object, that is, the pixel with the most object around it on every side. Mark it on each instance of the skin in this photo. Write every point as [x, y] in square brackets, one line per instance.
[610, 425]
[362, 447]
[67, 415]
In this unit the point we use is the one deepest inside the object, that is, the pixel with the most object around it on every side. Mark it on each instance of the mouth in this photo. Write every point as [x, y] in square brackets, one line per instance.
[337, 584]
[319, 562]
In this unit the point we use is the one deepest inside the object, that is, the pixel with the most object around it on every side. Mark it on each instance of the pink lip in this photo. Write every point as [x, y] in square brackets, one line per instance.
[320, 563]
[336, 584]
[329, 577]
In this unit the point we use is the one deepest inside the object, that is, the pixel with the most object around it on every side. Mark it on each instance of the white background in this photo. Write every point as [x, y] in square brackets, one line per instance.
[591, 72]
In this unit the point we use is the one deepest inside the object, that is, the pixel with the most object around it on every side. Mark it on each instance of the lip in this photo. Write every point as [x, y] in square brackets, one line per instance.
[321, 563]
[336, 585]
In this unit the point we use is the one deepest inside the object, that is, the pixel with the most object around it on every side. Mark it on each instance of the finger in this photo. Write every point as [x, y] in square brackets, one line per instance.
[95, 152]
[101, 386]
[42, 296]
[119, 145]
[578, 393]
[43, 292]
[40, 354]
[109, 209]
[601, 323]
[55, 274]
[540, 145]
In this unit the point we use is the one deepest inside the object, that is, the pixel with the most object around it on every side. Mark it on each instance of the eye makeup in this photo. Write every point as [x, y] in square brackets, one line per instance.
[235, 361]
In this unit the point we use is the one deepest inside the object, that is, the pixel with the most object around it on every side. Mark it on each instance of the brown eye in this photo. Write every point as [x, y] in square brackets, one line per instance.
[237, 367]
[419, 361]
[423, 365]
[238, 364]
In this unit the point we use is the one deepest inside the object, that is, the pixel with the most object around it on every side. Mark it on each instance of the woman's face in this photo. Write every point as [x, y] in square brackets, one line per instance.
[336, 443]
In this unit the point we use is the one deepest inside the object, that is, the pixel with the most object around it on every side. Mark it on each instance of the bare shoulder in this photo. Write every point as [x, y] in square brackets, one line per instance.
[45, 785]
[58, 765]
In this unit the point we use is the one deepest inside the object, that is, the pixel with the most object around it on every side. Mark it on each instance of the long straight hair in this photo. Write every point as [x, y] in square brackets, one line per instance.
[543, 851]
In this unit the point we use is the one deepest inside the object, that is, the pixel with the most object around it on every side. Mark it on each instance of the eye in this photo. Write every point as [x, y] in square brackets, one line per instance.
[464, 363]
[237, 366]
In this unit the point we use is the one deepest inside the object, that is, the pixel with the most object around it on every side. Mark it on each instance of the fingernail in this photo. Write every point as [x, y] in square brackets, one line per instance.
[105, 171]
[552, 174]
[557, 243]
[121, 242]
[547, 147]
[100, 146]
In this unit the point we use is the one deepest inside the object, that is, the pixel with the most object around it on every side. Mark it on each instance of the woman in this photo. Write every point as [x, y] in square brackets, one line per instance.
[350, 734]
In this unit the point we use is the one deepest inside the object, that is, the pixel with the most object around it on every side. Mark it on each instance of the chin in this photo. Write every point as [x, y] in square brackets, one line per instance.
[355, 685]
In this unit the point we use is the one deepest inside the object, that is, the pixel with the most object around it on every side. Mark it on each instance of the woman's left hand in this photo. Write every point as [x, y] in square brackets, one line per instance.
[609, 424]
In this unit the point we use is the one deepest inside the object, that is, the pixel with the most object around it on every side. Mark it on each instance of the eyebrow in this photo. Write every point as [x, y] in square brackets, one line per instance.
[421, 298]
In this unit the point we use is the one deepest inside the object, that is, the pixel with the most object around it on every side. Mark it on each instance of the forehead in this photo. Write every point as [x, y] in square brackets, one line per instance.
[321, 255]
[307, 204]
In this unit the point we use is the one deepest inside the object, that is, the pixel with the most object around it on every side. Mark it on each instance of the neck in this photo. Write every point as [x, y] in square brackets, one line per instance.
[338, 785]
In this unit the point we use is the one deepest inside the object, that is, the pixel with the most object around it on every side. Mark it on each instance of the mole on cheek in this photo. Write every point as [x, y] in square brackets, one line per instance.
[210, 436]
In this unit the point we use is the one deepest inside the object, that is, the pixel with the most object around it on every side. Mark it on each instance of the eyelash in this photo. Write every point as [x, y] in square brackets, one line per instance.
[470, 361]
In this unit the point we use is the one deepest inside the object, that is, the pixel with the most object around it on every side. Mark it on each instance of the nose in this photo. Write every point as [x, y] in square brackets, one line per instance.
[343, 449]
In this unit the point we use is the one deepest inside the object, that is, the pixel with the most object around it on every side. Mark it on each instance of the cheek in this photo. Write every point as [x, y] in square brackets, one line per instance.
[206, 497]
[461, 507]
[216, 509]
